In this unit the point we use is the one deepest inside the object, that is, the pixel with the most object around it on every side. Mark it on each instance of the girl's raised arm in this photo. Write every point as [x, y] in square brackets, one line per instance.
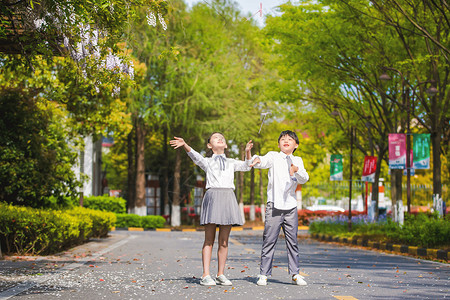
[178, 142]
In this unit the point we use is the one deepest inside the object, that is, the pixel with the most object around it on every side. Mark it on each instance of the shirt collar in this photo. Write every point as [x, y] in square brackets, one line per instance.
[222, 155]
[283, 155]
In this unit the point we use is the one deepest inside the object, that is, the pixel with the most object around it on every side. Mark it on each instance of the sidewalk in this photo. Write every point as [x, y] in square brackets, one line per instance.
[15, 270]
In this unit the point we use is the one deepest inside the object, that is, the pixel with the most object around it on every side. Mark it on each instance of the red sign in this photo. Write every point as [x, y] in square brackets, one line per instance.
[370, 166]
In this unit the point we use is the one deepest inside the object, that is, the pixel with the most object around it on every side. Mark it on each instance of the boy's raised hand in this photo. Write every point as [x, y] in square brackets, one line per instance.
[177, 142]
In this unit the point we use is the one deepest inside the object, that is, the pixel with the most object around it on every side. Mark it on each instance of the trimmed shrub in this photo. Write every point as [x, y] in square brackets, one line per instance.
[423, 230]
[132, 220]
[153, 221]
[25, 230]
[128, 220]
[106, 203]
[101, 221]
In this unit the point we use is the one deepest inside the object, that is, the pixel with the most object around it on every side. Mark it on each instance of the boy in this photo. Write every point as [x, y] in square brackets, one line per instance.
[285, 172]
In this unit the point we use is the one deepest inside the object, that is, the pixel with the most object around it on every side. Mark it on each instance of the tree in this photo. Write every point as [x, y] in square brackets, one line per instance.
[35, 155]
[426, 67]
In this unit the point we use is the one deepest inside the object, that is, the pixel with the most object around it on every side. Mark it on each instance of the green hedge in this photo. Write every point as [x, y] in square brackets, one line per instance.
[423, 230]
[106, 203]
[25, 230]
[101, 221]
[132, 220]
[153, 221]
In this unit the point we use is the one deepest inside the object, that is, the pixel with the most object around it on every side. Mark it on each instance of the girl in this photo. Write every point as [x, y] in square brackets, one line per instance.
[219, 207]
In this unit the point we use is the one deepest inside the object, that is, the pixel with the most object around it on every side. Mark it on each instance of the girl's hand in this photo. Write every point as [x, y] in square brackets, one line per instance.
[177, 142]
[255, 161]
[249, 145]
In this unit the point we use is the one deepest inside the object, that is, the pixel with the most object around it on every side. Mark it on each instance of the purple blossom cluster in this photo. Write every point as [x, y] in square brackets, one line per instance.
[343, 219]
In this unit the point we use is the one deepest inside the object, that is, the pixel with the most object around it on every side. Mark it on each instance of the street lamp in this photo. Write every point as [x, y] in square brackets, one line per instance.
[386, 77]
[431, 91]
[336, 113]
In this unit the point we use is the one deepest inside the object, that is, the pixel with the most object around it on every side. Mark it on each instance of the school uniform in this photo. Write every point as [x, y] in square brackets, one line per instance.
[281, 209]
[219, 203]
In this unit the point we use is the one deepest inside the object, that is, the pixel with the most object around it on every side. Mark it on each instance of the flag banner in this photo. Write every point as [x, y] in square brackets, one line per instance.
[370, 166]
[397, 150]
[421, 151]
[336, 168]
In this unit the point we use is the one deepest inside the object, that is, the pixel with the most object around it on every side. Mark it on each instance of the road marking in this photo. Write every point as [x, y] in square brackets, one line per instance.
[135, 229]
[345, 298]
[258, 228]
[235, 242]
[20, 288]
[237, 229]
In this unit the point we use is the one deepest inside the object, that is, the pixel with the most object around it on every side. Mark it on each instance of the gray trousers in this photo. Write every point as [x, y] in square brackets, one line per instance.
[276, 219]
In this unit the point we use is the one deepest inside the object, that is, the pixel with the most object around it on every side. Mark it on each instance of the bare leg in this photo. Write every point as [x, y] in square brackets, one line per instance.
[222, 252]
[210, 235]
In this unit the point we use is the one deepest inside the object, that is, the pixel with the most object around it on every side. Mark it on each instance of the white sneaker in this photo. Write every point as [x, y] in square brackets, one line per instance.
[222, 280]
[298, 280]
[207, 280]
[262, 280]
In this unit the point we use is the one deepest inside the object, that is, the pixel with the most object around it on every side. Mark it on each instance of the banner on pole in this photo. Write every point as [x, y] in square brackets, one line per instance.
[336, 168]
[370, 166]
[397, 150]
[421, 151]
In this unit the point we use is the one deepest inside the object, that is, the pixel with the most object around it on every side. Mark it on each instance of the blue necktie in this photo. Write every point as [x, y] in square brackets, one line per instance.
[222, 161]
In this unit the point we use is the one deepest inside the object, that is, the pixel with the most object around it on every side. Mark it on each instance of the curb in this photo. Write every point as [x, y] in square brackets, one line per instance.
[413, 250]
[190, 229]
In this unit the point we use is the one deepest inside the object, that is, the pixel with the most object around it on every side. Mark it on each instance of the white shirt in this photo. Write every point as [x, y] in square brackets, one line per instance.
[281, 186]
[219, 169]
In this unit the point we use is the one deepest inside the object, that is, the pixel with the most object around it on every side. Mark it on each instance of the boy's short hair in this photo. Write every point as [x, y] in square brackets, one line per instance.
[290, 133]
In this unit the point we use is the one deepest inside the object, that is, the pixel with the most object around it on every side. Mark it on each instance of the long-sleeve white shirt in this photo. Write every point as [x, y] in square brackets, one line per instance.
[219, 169]
[281, 186]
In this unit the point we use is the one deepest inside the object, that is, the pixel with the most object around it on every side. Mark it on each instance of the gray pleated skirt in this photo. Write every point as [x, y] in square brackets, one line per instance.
[220, 207]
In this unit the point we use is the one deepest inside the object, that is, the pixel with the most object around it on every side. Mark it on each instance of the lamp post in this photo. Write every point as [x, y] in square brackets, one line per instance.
[405, 93]
[336, 113]
[386, 77]
[351, 181]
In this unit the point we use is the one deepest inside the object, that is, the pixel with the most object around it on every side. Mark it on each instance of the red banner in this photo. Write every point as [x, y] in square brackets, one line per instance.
[370, 166]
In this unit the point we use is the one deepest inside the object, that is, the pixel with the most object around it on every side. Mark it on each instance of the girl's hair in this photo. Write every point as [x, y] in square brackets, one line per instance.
[209, 151]
[209, 139]
[292, 134]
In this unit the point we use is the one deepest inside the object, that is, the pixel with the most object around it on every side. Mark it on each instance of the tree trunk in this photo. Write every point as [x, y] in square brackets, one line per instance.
[396, 190]
[375, 184]
[436, 143]
[252, 194]
[241, 186]
[131, 184]
[175, 218]
[140, 207]
[165, 184]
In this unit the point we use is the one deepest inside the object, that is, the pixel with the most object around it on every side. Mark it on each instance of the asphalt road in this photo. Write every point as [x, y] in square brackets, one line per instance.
[167, 265]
